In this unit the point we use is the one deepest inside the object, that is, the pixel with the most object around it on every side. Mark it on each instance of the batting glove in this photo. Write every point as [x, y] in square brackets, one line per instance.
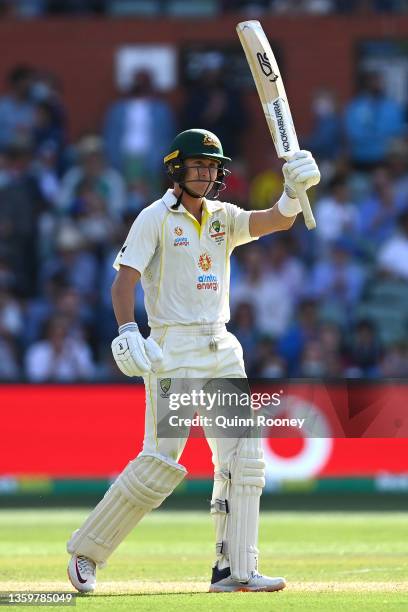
[134, 355]
[302, 170]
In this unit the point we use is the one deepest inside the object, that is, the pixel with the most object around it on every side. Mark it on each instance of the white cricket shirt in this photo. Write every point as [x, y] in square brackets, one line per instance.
[184, 266]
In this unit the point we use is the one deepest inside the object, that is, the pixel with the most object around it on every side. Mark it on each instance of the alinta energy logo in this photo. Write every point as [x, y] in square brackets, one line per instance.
[206, 281]
[180, 240]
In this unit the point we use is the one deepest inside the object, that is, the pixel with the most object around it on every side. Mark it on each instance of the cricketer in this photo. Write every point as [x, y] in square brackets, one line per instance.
[180, 248]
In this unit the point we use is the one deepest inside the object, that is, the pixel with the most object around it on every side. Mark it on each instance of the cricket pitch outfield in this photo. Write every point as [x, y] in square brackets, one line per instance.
[332, 561]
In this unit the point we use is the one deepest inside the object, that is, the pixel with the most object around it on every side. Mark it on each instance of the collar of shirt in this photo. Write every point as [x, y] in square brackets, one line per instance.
[169, 199]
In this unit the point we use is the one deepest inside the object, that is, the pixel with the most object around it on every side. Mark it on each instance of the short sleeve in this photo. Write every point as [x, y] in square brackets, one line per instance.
[141, 242]
[238, 222]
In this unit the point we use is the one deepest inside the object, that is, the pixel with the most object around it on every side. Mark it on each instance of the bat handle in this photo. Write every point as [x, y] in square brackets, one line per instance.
[306, 209]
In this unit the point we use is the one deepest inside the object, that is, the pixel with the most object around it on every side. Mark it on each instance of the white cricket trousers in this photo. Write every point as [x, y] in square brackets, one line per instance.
[192, 351]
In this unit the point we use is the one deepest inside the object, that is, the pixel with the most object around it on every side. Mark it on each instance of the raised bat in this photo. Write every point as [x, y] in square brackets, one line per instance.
[271, 91]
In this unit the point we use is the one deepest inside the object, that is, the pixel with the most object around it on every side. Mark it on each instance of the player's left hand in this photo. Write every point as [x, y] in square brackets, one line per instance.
[302, 170]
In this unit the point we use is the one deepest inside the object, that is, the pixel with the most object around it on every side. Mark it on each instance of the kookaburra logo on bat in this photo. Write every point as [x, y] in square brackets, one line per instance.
[266, 67]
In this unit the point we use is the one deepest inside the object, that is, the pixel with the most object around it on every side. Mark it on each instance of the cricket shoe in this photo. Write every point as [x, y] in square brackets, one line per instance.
[221, 582]
[82, 573]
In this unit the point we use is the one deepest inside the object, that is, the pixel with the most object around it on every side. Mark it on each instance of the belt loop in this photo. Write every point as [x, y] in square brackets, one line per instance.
[162, 337]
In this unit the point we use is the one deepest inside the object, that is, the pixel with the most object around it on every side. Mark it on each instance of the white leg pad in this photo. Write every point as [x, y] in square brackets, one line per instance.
[143, 485]
[235, 507]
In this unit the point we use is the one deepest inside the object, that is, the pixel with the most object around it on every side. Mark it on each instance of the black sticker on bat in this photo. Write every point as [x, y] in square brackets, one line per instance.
[266, 67]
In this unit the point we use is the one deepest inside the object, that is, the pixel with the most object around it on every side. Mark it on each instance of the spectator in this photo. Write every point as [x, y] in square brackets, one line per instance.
[73, 262]
[305, 327]
[21, 205]
[393, 256]
[9, 368]
[336, 215]
[137, 196]
[17, 111]
[45, 170]
[378, 213]
[93, 221]
[284, 267]
[394, 363]
[267, 362]
[138, 132]
[365, 351]
[59, 357]
[397, 165]
[51, 119]
[326, 138]
[312, 363]
[331, 342]
[11, 316]
[337, 279]
[93, 173]
[214, 105]
[269, 296]
[372, 121]
[48, 132]
[40, 308]
[59, 300]
[244, 326]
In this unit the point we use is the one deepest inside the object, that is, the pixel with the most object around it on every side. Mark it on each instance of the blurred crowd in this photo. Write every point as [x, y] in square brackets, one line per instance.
[27, 9]
[331, 303]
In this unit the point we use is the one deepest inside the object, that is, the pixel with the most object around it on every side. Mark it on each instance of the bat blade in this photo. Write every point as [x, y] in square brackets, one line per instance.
[272, 94]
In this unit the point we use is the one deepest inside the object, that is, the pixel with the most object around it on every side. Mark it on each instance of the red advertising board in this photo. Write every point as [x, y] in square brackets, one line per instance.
[92, 431]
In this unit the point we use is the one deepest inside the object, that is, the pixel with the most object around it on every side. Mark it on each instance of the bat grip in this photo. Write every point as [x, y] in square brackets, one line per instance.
[306, 209]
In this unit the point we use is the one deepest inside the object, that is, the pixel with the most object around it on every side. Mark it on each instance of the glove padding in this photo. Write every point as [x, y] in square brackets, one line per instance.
[301, 169]
[134, 355]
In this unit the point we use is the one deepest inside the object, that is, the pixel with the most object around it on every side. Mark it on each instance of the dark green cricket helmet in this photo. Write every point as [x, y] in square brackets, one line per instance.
[195, 143]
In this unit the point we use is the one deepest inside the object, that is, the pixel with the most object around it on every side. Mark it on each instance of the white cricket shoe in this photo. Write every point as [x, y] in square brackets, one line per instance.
[82, 573]
[221, 582]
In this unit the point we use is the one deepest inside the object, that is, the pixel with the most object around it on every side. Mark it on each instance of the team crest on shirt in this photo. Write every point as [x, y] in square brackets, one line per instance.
[180, 240]
[217, 231]
[205, 262]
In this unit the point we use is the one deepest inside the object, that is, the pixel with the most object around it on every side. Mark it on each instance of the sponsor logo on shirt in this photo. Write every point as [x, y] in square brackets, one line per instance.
[207, 282]
[180, 240]
[217, 231]
[205, 262]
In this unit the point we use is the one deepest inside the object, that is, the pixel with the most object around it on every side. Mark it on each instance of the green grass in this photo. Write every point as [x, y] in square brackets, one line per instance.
[331, 561]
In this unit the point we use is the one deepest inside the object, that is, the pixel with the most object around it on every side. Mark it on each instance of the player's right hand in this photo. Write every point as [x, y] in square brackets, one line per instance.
[132, 353]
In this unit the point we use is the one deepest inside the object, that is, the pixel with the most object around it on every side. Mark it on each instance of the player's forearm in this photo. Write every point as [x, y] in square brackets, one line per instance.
[123, 302]
[123, 295]
[262, 222]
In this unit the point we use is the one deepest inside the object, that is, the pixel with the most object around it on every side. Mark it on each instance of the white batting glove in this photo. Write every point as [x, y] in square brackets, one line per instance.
[134, 355]
[301, 169]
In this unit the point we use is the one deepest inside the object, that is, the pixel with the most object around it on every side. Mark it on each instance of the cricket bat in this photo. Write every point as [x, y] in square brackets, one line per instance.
[271, 91]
